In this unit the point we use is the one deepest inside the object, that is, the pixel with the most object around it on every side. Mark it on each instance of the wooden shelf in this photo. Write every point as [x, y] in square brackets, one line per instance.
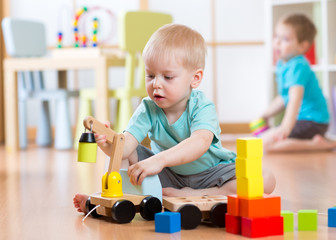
[236, 43]
[292, 2]
[331, 68]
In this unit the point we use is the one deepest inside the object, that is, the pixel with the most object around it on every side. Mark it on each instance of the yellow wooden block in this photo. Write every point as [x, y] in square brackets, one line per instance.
[249, 148]
[248, 167]
[250, 187]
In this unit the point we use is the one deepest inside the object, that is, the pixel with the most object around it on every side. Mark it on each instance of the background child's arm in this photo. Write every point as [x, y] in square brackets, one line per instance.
[186, 151]
[275, 107]
[294, 103]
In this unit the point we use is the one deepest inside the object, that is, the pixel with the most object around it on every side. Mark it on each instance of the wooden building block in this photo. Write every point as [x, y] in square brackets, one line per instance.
[275, 225]
[267, 206]
[307, 220]
[288, 217]
[262, 227]
[254, 227]
[232, 224]
[248, 167]
[167, 222]
[249, 148]
[250, 187]
[332, 217]
[233, 205]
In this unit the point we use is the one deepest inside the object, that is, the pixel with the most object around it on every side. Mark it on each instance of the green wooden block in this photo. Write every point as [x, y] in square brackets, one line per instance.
[288, 217]
[307, 220]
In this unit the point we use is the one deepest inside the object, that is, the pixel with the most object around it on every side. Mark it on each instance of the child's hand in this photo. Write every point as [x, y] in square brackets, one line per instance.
[105, 146]
[137, 172]
[267, 120]
[280, 133]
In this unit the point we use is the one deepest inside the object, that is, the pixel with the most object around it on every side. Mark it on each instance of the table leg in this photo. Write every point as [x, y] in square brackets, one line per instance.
[11, 111]
[62, 79]
[101, 83]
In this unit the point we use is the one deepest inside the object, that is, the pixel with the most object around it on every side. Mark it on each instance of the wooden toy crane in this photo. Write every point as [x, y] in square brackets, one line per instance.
[113, 201]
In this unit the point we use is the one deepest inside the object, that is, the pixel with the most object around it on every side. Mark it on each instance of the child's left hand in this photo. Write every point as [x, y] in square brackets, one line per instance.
[137, 172]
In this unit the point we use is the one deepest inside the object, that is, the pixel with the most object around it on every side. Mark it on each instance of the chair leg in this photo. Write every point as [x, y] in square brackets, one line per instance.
[43, 137]
[23, 124]
[85, 109]
[124, 114]
[63, 132]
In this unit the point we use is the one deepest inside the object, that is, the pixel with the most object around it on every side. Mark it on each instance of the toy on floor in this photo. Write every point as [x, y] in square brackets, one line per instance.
[87, 147]
[332, 217]
[167, 222]
[250, 212]
[195, 209]
[307, 220]
[258, 126]
[113, 201]
[288, 217]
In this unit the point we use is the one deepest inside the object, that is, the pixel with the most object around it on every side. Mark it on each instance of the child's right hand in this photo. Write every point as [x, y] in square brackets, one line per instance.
[102, 143]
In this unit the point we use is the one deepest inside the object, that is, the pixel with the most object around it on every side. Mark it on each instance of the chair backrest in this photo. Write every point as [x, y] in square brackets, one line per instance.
[135, 28]
[24, 38]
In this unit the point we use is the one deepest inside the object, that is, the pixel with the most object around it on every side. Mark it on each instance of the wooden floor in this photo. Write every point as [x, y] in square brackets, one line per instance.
[37, 187]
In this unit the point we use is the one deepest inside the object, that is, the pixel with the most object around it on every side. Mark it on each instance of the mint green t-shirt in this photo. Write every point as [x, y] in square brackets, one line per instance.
[200, 114]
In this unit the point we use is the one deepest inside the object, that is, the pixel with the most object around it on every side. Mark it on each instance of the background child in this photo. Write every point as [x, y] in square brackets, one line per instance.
[180, 121]
[306, 117]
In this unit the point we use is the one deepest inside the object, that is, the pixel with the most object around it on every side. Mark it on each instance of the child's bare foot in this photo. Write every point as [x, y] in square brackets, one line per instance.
[79, 202]
[322, 141]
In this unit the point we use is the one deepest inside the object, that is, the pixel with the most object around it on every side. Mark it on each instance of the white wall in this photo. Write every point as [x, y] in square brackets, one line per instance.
[240, 71]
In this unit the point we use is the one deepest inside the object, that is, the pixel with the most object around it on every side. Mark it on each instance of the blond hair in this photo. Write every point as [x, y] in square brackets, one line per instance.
[304, 28]
[178, 41]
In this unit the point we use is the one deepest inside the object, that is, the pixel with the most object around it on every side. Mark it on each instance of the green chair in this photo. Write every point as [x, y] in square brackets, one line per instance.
[134, 30]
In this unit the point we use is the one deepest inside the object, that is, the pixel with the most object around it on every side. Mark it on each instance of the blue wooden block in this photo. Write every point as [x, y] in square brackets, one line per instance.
[332, 217]
[167, 222]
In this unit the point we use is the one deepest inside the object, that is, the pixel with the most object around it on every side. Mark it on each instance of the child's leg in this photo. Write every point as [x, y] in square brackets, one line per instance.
[317, 143]
[79, 202]
[230, 187]
[306, 135]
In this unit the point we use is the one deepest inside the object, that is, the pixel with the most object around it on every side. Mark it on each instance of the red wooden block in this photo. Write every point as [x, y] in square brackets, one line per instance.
[232, 224]
[254, 227]
[267, 206]
[275, 226]
[233, 205]
[262, 227]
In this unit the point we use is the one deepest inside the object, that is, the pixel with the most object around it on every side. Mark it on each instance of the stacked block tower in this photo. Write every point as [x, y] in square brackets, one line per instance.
[250, 212]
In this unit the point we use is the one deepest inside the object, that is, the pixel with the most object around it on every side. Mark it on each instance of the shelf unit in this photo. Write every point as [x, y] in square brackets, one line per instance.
[323, 14]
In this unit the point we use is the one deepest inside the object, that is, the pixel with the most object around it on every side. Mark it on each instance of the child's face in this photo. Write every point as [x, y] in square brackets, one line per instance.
[286, 44]
[169, 84]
